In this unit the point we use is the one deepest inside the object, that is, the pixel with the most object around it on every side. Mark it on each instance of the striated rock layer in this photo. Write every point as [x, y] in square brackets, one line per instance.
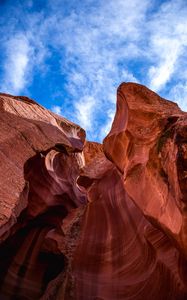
[41, 155]
[85, 221]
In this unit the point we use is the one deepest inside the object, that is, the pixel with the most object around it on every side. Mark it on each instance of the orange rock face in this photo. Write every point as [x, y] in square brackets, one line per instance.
[152, 149]
[85, 221]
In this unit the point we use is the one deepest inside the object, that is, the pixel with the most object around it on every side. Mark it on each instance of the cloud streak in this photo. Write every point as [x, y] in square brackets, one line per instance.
[16, 67]
[99, 44]
[168, 39]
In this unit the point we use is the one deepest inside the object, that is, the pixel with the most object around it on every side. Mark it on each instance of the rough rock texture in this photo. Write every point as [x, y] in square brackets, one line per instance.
[151, 136]
[40, 157]
[85, 221]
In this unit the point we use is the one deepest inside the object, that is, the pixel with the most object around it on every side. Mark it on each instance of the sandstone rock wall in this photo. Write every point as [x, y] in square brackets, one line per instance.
[85, 221]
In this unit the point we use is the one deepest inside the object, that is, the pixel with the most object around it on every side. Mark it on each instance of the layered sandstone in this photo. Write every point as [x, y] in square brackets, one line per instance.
[85, 221]
[41, 155]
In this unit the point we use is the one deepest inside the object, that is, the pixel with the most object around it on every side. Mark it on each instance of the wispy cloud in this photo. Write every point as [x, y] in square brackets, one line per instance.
[16, 67]
[178, 93]
[106, 128]
[104, 37]
[23, 46]
[95, 45]
[163, 71]
[56, 109]
[168, 39]
[84, 112]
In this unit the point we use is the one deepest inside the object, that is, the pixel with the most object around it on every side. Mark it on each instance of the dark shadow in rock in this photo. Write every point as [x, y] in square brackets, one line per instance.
[26, 267]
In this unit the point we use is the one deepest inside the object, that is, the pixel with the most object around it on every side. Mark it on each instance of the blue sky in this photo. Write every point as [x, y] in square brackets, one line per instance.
[70, 56]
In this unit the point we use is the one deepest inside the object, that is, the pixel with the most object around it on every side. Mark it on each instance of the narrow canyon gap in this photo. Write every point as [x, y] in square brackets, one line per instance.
[87, 221]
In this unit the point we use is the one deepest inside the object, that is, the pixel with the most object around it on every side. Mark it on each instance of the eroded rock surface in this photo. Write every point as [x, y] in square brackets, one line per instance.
[40, 161]
[152, 150]
[85, 221]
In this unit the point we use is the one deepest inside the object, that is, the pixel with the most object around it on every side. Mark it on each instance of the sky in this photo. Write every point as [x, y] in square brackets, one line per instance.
[70, 55]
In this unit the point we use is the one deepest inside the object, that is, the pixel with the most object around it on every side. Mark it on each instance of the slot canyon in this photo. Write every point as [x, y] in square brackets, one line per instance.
[81, 220]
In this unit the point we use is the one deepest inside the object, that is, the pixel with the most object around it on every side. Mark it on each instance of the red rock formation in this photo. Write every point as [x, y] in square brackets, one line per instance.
[125, 256]
[91, 150]
[27, 129]
[151, 143]
[129, 240]
[133, 230]
[40, 161]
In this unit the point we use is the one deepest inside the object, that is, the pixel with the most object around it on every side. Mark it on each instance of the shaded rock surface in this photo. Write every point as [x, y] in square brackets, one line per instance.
[85, 221]
[41, 154]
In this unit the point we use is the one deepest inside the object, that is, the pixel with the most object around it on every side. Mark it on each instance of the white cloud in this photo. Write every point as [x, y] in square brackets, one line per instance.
[25, 49]
[97, 42]
[161, 74]
[18, 53]
[84, 112]
[128, 76]
[106, 128]
[56, 109]
[178, 93]
[100, 44]
[168, 40]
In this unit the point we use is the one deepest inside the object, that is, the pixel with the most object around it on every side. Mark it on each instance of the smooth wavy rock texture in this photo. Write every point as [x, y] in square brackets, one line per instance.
[41, 154]
[151, 135]
[87, 221]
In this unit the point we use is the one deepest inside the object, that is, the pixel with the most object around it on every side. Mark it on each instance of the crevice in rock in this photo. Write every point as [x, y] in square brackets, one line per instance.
[30, 256]
[27, 265]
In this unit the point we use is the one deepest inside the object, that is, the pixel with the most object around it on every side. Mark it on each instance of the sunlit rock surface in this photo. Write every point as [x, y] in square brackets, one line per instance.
[150, 134]
[85, 221]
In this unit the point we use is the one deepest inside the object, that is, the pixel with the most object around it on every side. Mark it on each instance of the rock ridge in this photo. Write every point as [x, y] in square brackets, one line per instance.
[81, 220]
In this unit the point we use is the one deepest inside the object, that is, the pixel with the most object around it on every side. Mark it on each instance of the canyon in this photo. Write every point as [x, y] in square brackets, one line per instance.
[81, 220]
